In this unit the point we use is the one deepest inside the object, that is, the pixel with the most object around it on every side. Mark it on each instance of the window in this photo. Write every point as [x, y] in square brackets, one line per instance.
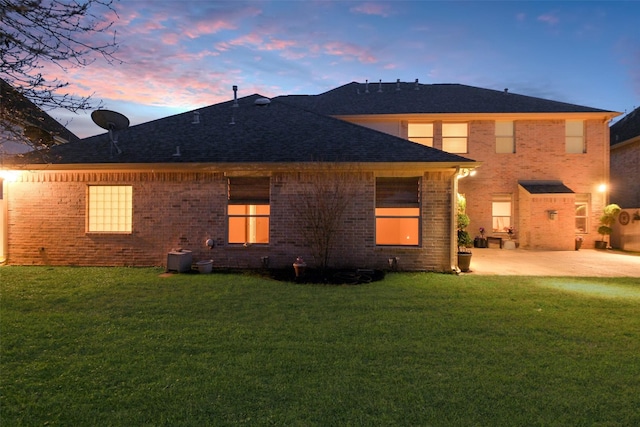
[110, 209]
[501, 212]
[421, 133]
[574, 136]
[505, 142]
[398, 211]
[454, 137]
[582, 213]
[248, 210]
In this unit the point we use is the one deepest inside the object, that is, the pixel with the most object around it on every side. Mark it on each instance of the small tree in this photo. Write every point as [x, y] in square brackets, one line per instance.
[464, 239]
[608, 218]
[320, 205]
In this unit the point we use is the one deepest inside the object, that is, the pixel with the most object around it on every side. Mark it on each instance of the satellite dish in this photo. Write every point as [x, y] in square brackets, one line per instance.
[110, 120]
[113, 122]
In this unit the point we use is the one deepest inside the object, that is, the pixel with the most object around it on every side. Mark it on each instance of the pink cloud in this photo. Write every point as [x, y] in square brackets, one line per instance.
[348, 50]
[377, 9]
[549, 18]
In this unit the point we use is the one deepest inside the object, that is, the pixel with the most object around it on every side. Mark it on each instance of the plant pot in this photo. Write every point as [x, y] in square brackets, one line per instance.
[601, 244]
[464, 261]
[299, 268]
[578, 244]
[480, 242]
[205, 267]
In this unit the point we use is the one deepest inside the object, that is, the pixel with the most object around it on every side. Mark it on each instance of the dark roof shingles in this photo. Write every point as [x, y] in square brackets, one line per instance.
[277, 132]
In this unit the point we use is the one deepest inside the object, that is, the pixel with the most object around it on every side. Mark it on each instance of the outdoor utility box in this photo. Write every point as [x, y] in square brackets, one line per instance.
[179, 260]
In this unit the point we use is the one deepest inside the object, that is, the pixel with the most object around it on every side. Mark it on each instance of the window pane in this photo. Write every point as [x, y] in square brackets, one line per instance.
[398, 212]
[454, 130]
[454, 145]
[504, 128]
[397, 231]
[504, 144]
[110, 209]
[248, 229]
[575, 144]
[501, 208]
[420, 129]
[574, 128]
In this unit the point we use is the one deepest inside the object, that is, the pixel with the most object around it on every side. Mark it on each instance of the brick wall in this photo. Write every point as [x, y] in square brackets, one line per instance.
[47, 222]
[625, 175]
[540, 155]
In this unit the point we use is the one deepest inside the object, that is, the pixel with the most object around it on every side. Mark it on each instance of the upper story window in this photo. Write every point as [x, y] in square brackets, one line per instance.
[454, 137]
[505, 141]
[248, 210]
[421, 133]
[574, 136]
[110, 209]
[398, 211]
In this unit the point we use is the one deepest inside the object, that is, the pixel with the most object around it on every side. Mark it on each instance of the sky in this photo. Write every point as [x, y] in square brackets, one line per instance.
[179, 55]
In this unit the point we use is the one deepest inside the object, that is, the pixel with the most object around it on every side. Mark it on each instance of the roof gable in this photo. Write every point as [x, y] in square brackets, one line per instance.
[415, 98]
[249, 133]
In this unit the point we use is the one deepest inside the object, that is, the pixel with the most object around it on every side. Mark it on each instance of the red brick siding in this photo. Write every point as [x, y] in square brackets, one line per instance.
[47, 215]
[540, 155]
[625, 175]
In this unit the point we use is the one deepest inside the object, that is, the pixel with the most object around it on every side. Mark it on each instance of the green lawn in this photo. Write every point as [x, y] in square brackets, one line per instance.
[126, 347]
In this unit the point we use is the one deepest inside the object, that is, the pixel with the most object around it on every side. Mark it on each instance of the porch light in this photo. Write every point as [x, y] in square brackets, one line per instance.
[464, 172]
[602, 188]
[9, 175]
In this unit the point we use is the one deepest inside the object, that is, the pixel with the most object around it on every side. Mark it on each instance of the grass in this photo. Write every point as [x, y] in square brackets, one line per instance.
[123, 347]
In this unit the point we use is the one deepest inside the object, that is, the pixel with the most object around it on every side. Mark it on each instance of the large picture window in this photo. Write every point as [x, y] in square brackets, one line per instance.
[110, 209]
[398, 211]
[501, 212]
[248, 210]
[454, 137]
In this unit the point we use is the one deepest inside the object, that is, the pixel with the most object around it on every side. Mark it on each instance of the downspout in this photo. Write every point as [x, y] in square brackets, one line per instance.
[453, 251]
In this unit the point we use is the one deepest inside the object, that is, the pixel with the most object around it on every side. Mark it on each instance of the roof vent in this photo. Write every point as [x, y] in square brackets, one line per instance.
[196, 118]
[235, 95]
[380, 86]
[261, 102]
[366, 86]
[417, 87]
[506, 90]
[397, 84]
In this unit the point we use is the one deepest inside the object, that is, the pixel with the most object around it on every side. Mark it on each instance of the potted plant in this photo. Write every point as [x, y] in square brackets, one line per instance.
[464, 243]
[579, 240]
[608, 218]
[480, 241]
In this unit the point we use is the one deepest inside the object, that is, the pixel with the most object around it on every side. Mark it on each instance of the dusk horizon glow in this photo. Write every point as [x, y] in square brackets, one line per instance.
[179, 56]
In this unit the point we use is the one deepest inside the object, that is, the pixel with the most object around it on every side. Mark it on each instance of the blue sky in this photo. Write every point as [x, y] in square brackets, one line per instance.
[182, 55]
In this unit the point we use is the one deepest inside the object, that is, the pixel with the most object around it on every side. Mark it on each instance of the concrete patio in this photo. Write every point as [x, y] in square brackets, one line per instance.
[585, 262]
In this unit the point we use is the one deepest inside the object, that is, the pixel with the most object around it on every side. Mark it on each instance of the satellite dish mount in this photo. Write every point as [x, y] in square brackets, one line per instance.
[113, 122]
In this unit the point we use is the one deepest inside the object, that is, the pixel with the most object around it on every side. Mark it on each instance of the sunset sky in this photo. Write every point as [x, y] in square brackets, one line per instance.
[181, 55]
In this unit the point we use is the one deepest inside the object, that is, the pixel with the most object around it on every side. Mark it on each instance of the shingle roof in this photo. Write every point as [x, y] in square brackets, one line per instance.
[545, 187]
[385, 98]
[627, 128]
[277, 132]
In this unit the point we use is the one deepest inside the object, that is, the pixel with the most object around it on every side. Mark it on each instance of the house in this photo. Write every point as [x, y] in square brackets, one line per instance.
[544, 163]
[625, 181]
[625, 161]
[236, 182]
